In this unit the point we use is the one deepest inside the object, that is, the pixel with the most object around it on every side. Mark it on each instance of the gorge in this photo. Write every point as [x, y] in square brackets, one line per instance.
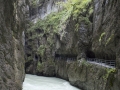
[76, 40]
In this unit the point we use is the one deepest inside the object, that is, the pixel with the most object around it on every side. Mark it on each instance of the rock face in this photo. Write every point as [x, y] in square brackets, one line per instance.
[106, 29]
[39, 9]
[86, 76]
[44, 44]
[105, 43]
[11, 47]
[57, 44]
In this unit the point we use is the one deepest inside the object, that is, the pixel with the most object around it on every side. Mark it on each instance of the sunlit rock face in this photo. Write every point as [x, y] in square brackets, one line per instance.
[11, 48]
[41, 8]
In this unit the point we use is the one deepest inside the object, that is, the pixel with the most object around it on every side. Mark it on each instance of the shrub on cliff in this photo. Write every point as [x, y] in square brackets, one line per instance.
[56, 21]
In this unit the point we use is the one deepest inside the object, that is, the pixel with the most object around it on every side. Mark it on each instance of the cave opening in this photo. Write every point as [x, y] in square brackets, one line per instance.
[106, 56]
[107, 59]
[90, 54]
[66, 56]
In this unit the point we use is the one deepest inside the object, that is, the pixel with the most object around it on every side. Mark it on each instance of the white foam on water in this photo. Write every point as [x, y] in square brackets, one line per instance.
[33, 82]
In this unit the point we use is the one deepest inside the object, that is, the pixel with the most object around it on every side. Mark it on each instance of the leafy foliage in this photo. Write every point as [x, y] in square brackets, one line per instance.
[54, 22]
[101, 36]
[50, 23]
[109, 39]
[41, 50]
[39, 67]
[34, 2]
[77, 7]
[108, 72]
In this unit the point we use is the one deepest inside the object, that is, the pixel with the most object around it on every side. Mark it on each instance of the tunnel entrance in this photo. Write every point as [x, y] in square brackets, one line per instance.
[65, 57]
[90, 54]
[101, 59]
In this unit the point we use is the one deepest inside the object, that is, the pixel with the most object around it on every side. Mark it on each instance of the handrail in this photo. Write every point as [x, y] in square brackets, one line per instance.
[102, 61]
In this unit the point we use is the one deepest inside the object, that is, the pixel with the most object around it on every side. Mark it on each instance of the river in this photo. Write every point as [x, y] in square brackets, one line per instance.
[33, 82]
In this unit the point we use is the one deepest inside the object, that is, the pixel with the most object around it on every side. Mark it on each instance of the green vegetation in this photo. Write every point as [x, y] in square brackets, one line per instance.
[108, 72]
[51, 23]
[77, 7]
[110, 75]
[50, 41]
[34, 2]
[101, 36]
[41, 50]
[39, 66]
[55, 22]
[109, 39]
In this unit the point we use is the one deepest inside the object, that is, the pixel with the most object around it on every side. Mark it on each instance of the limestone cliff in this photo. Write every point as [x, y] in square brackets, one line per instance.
[73, 30]
[106, 29]
[58, 33]
[12, 24]
[105, 43]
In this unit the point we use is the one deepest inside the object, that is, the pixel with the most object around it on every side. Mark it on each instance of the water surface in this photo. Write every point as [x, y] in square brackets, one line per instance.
[33, 82]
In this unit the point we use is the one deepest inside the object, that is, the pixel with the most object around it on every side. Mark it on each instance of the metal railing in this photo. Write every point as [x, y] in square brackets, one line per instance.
[111, 63]
[102, 61]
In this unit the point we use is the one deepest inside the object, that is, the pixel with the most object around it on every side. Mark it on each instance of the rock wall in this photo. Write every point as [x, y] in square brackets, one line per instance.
[43, 44]
[12, 24]
[85, 75]
[105, 43]
[88, 35]
[39, 9]
[106, 29]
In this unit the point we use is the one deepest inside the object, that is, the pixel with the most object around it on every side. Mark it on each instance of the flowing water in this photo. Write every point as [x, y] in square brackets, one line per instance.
[33, 82]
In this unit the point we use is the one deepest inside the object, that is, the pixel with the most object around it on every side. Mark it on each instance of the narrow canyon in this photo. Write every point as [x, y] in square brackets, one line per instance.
[74, 40]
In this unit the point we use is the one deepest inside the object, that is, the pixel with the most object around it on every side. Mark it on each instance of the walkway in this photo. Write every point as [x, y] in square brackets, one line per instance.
[107, 63]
